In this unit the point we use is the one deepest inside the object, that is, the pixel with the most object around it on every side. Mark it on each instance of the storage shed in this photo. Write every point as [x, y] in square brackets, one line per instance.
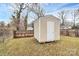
[47, 29]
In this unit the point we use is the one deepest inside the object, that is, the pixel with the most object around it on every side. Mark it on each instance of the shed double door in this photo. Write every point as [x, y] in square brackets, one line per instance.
[50, 31]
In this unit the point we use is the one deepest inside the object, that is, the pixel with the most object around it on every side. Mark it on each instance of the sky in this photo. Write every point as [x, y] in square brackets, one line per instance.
[49, 8]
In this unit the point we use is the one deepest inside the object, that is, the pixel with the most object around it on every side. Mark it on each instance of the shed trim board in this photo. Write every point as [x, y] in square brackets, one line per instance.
[39, 30]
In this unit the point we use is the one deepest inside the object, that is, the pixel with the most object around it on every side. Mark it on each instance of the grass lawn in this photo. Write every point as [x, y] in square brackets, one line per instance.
[29, 46]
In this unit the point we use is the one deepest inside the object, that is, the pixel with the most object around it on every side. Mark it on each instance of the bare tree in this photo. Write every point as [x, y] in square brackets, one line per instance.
[62, 15]
[36, 8]
[17, 10]
[13, 22]
[75, 16]
[25, 21]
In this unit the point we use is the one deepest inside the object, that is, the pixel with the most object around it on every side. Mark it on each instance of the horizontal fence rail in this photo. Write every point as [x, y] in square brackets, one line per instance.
[28, 33]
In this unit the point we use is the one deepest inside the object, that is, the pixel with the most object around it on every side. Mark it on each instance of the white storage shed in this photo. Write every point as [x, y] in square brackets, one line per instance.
[47, 29]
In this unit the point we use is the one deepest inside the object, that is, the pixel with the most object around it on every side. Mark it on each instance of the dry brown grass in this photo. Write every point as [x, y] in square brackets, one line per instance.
[29, 46]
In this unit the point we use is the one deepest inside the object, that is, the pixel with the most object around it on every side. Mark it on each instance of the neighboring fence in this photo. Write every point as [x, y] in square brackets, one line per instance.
[5, 34]
[70, 32]
[28, 33]
[9, 34]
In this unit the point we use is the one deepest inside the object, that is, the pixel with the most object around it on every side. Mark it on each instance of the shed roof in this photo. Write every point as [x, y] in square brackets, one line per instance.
[48, 16]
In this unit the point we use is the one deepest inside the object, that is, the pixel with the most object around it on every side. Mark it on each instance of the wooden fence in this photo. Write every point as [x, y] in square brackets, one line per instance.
[28, 33]
[70, 32]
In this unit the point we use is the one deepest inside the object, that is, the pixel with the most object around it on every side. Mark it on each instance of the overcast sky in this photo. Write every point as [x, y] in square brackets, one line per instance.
[51, 9]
